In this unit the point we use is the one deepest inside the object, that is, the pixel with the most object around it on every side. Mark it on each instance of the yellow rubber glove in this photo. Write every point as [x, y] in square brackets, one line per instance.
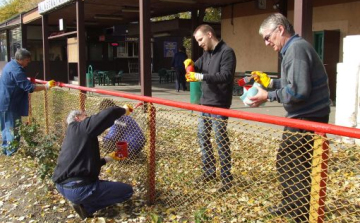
[261, 78]
[189, 64]
[194, 77]
[50, 84]
[114, 157]
[128, 108]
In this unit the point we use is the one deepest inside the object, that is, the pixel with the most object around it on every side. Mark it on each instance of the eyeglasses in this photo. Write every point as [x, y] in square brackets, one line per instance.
[267, 37]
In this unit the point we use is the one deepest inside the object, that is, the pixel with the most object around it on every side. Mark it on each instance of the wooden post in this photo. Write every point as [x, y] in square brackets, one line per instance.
[145, 49]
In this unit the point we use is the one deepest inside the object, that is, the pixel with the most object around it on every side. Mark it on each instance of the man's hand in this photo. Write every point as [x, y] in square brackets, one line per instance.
[259, 98]
[50, 84]
[189, 63]
[261, 78]
[112, 156]
[194, 77]
[108, 159]
[128, 109]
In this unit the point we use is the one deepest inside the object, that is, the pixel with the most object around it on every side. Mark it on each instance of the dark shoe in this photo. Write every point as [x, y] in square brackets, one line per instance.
[225, 187]
[205, 178]
[280, 210]
[80, 210]
[291, 212]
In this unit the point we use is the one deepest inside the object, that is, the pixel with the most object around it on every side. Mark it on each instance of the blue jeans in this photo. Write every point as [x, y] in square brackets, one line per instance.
[9, 131]
[207, 122]
[97, 195]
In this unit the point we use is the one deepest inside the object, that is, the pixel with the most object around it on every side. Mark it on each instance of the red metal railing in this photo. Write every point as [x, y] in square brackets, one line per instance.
[319, 128]
[270, 119]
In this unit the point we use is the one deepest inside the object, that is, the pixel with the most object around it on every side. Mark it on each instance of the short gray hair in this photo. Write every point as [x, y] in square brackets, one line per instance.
[274, 21]
[72, 115]
[22, 54]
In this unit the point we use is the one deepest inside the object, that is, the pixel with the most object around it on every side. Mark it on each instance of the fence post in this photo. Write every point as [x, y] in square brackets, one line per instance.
[319, 178]
[82, 98]
[151, 158]
[46, 112]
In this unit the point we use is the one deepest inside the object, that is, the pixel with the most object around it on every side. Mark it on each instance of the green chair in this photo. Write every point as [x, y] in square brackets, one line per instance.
[163, 75]
[118, 77]
[97, 79]
[110, 77]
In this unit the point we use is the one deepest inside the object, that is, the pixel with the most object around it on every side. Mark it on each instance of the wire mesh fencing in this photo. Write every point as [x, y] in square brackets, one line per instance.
[237, 171]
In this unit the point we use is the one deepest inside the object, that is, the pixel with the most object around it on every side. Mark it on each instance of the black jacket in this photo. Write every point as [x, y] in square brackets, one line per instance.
[79, 155]
[218, 67]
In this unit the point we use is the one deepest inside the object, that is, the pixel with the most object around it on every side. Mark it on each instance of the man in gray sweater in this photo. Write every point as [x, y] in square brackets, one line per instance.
[304, 92]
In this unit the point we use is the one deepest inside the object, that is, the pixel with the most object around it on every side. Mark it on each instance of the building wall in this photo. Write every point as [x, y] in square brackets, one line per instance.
[241, 32]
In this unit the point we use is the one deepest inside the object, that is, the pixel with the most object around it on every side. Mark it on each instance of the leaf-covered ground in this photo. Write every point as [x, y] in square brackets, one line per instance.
[25, 198]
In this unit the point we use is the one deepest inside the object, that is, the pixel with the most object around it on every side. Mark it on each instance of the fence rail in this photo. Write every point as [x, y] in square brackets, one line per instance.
[250, 168]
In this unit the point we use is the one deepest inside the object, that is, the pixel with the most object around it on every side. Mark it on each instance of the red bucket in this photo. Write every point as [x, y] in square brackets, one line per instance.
[122, 149]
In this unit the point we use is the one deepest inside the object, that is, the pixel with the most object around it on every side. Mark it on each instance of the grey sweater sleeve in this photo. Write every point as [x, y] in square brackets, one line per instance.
[295, 83]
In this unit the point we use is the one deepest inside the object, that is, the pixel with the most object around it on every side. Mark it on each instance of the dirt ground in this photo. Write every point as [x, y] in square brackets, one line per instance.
[24, 197]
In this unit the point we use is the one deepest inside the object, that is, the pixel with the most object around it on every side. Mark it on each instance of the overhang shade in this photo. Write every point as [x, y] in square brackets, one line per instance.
[105, 13]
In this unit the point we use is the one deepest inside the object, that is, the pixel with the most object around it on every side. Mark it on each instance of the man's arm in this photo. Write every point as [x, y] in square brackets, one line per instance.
[97, 124]
[298, 83]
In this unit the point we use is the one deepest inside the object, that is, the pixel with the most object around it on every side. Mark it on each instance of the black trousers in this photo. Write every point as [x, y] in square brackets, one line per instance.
[180, 79]
[293, 164]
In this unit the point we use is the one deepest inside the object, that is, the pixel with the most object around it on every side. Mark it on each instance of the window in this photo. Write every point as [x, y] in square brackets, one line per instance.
[3, 48]
[15, 40]
[129, 49]
[95, 51]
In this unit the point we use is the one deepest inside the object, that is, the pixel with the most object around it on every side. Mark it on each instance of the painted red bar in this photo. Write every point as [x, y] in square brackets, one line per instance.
[313, 126]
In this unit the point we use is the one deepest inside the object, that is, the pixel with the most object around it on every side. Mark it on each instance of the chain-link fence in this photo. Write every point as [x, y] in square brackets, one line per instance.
[238, 171]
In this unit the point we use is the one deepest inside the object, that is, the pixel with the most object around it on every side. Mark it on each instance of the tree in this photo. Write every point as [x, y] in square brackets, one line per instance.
[212, 15]
[10, 8]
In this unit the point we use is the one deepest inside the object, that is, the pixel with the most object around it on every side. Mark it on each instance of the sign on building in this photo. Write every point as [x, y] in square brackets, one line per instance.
[170, 48]
[48, 5]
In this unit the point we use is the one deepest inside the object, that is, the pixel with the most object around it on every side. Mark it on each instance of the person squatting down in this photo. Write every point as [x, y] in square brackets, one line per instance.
[125, 129]
[78, 166]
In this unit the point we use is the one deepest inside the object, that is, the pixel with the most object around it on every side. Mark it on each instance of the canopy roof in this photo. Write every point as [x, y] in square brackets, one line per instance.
[110, 12]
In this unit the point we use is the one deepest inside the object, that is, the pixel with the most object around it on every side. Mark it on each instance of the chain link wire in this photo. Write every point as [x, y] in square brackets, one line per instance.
[238, 171]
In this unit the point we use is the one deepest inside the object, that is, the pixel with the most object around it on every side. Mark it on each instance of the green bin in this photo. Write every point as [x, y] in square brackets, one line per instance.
[90, 77]
[195, 92]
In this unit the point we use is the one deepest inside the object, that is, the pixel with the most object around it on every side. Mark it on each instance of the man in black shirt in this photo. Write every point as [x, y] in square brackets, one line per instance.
[216, 69]
[79, 163]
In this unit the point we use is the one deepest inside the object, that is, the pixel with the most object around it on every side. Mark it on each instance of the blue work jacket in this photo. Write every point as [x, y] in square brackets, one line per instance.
[14, 89]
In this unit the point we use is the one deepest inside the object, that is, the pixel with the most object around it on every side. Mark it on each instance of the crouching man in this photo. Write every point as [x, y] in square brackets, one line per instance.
[79, 163]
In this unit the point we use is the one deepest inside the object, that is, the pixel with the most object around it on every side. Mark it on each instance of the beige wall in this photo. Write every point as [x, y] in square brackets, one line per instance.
[250, 49]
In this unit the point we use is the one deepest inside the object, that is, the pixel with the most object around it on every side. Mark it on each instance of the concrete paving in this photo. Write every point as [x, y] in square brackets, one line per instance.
[167, 91]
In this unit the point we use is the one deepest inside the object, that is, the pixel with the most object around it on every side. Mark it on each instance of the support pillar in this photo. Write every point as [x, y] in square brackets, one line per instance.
[145, 49]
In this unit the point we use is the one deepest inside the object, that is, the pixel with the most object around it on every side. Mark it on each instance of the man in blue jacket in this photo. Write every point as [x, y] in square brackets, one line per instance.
[14, 100]
[216, 69]
[178, 64]
[78, 167]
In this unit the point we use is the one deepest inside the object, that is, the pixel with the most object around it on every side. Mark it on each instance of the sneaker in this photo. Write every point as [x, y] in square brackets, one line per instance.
[205, 178]
[225, 187]
[80, 210]
[296, 214]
